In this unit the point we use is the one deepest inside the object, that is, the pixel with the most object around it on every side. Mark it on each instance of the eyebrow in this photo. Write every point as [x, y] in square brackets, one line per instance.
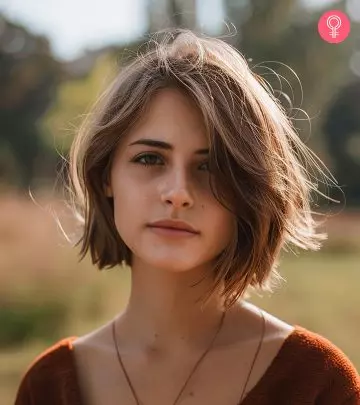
[164, 145]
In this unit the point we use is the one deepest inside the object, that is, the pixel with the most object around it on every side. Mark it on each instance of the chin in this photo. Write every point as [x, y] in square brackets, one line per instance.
[174, 263]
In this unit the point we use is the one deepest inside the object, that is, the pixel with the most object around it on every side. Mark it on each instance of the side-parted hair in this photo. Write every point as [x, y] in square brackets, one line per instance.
[258, 163]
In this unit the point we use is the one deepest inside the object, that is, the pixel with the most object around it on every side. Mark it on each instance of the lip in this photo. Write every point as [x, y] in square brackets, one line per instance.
[174, 225]
[171, 232]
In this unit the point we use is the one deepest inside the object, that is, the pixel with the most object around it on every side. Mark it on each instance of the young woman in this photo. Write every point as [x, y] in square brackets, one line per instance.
[189, 171]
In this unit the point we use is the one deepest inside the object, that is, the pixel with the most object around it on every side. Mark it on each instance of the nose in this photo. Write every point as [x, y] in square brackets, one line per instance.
[177, 191]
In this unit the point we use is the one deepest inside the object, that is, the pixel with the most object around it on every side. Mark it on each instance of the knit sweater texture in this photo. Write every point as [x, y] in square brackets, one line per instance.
[308, 369]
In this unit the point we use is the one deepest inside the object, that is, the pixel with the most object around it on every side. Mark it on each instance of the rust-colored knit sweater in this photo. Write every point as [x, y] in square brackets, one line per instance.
[308, 369]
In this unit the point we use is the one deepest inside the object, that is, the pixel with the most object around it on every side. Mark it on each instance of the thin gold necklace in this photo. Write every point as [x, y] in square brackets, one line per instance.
[196, 364]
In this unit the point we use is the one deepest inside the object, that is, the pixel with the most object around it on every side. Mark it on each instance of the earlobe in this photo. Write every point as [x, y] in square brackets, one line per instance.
[108, 191]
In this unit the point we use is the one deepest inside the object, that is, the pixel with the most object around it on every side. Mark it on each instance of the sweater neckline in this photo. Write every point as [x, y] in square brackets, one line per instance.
[249, 397]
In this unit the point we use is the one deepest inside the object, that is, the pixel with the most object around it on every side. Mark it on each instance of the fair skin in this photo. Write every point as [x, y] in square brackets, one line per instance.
[163, 330]
[176, 186]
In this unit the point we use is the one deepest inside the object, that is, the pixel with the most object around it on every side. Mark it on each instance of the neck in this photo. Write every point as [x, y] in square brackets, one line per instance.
[165, 313]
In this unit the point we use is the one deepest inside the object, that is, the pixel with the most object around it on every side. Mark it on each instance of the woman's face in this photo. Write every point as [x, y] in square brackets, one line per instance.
[168, 181]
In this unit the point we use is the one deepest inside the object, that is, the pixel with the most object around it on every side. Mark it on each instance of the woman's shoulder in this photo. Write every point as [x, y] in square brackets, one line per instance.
[301, 351]
[314, 345]
[309, 355]
[57, 354]
[48, 372]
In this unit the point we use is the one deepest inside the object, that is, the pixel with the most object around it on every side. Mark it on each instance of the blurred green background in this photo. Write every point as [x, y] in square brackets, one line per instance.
[45, 293]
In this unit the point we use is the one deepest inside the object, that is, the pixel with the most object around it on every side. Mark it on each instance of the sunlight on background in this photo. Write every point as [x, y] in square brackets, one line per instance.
[100, 23]
[45, 293]
[74, 25]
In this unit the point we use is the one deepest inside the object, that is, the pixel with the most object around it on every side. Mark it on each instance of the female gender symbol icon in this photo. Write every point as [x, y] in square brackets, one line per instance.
[339, 25]
[334, 28]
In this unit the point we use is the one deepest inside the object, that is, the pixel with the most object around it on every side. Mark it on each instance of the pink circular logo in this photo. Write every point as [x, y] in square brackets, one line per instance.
[334, 26]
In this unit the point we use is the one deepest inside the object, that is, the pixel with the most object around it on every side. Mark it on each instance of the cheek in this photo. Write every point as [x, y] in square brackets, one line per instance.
[131, 208]
[226, 228]
[130, 188]
[127, 220]
[221, 224]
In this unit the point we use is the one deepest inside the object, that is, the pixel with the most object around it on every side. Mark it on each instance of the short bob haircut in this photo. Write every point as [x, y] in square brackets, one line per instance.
[255, 158]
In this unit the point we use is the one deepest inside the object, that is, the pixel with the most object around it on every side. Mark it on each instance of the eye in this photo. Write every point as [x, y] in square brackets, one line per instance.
[146, 159]
[152, 159]
[207, 166]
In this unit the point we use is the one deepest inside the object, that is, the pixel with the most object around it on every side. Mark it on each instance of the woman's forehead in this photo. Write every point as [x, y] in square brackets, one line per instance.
[171, 117]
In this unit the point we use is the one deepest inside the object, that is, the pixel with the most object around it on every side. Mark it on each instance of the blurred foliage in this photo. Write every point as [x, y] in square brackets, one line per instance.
[46, 294]
[44, 101]
[28, 77]
[342, 129]
[23, 322]
[40, 311]
[274, 33]
[73, 99]
[282, 32]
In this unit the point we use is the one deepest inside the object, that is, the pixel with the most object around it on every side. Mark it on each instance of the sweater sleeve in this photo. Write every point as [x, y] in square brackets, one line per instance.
[353, 399]
[49, 379]
[23, 394]
[342, 380]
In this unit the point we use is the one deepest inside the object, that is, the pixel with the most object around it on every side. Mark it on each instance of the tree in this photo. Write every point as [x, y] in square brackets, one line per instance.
[171, 13]
[342, 133]
[28, 77]
[286, 32]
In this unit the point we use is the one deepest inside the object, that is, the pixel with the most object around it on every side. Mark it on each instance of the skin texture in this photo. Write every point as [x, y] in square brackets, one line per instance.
[162, 309]
[163, 331]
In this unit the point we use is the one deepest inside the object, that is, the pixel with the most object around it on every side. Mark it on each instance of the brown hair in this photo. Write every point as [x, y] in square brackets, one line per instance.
[255, 156]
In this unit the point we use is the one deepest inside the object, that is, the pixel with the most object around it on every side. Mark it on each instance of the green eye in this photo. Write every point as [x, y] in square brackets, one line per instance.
[152, 159]
[207, 165]
[146, 159]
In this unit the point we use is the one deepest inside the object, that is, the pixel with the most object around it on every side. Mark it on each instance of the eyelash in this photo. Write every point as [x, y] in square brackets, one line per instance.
[138, 158]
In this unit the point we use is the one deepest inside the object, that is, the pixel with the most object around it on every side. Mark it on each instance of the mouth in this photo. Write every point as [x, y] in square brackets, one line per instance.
[167, 231]
[175, 225]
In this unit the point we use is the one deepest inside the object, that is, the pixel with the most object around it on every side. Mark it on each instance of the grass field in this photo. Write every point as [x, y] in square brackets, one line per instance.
[321, 291]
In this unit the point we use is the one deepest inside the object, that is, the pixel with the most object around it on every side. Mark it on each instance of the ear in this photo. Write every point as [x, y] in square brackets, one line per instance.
[108, 190]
